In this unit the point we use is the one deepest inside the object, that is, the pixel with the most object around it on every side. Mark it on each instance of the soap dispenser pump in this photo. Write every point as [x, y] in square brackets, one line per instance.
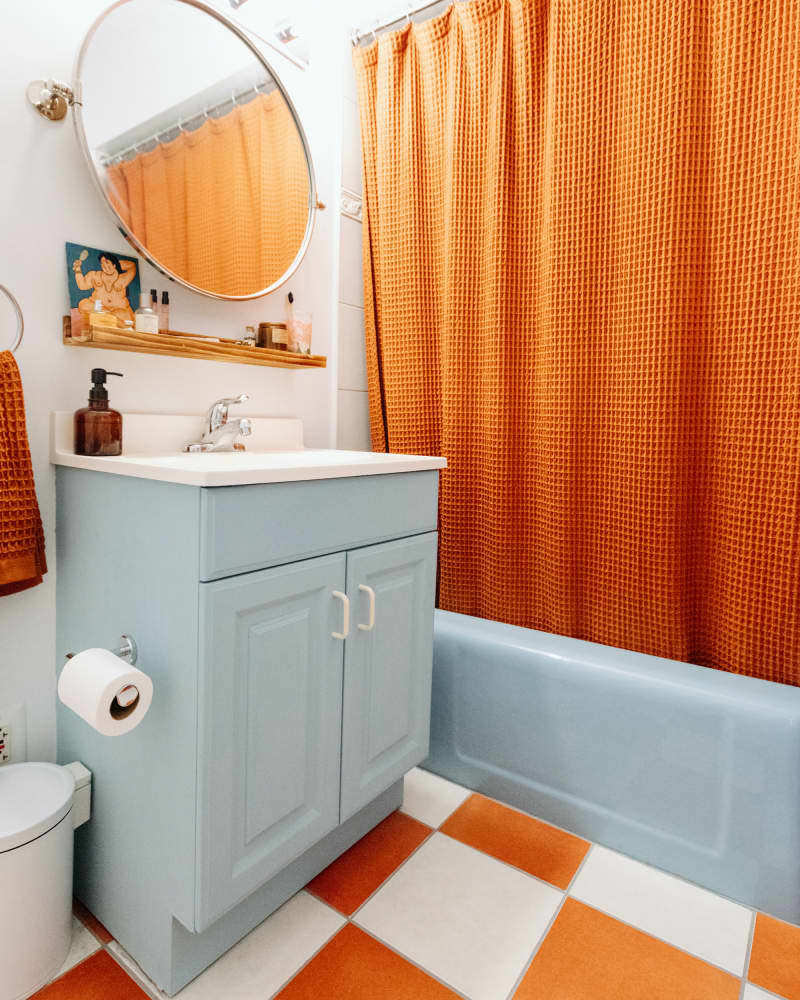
[98, 429]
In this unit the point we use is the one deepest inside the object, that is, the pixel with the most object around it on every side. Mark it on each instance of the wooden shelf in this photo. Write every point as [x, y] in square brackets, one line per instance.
[191, 345]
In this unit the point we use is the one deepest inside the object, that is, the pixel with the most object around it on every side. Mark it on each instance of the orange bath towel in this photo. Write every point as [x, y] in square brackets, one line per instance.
[22, 560]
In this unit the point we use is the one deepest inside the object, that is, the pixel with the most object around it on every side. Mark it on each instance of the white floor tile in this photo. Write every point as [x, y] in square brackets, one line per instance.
[754, 993]
[429, 798]
[467, 918]
[84, 944]
[691, 918]
[271, 954]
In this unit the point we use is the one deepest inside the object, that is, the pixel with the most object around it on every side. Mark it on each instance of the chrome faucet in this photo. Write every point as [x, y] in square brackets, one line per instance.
[220, 433]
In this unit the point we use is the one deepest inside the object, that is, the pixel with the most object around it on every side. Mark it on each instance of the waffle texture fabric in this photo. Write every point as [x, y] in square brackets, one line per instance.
[582, 286]
[22, 558]
[225, 206]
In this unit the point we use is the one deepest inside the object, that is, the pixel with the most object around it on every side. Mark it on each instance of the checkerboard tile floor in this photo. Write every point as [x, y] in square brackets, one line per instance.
[457, 895]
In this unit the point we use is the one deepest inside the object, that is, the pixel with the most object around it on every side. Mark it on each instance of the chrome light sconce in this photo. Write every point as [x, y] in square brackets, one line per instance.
[51, 99]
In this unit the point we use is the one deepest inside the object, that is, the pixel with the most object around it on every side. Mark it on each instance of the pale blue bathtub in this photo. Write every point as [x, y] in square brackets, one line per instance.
[693, 770]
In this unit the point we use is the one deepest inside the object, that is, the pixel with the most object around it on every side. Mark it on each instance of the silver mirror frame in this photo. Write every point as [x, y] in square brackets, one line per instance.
[139, 247]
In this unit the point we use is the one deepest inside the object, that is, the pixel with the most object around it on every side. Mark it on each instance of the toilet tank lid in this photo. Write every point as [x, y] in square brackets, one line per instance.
[34, 797]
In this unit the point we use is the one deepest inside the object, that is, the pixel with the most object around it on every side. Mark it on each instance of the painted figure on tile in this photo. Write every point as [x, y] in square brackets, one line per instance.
[109, 285]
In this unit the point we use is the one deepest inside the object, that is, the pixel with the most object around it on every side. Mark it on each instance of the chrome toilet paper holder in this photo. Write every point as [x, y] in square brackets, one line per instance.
[127, 650]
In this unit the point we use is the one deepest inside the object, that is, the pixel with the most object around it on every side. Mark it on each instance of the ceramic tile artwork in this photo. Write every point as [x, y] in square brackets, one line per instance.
[456, 895]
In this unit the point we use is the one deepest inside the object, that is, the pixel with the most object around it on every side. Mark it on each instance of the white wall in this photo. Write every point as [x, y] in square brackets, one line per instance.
[46, 199]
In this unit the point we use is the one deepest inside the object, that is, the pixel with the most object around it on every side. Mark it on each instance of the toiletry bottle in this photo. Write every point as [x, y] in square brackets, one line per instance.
[98, 429]
[154, 300]
[163, 313]
[278, 337]
[146, 319]
[99, 317]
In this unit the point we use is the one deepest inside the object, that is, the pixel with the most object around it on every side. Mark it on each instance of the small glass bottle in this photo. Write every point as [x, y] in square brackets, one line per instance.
[163, 313]
[146, 319]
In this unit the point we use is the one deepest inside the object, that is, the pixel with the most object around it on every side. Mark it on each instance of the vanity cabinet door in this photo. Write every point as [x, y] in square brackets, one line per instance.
[270, 725]
[387, 671]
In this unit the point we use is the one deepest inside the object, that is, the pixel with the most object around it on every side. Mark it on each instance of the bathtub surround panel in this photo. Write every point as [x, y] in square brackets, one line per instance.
[692, 770]
[580, 228]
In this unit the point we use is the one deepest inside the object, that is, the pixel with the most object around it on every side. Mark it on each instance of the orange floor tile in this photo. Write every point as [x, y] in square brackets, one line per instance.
[589, 956]
[90, 920]
[519, 840]
[354, 876]
[354, 966]
[98, 978]
[775, 958]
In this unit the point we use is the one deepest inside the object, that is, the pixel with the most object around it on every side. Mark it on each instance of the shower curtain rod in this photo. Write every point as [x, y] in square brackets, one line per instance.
[385, 24]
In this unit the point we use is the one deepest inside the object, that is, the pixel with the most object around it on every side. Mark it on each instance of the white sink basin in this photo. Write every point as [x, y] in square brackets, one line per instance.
[274, 454]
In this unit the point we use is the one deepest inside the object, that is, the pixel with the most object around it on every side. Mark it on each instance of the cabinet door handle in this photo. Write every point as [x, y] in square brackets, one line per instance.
[371, 624]
[346, 615]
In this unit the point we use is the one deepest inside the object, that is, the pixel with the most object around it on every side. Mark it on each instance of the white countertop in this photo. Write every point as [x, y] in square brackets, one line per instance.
[274, 454]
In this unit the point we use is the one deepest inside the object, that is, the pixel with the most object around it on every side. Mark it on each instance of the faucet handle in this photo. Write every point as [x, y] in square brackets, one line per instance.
[218, 413]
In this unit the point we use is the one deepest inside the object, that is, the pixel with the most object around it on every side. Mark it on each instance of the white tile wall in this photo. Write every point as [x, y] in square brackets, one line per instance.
[351, 279]
[352, 355]
[353, 428]
[352, 401]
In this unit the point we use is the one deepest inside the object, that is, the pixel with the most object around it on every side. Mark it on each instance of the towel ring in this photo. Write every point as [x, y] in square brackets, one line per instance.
[20, 320]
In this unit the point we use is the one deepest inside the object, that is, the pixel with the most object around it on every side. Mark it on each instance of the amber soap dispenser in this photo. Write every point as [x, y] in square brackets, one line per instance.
[98, 428]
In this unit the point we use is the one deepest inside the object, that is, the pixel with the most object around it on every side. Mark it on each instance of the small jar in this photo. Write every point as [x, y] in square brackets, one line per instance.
[274, 336]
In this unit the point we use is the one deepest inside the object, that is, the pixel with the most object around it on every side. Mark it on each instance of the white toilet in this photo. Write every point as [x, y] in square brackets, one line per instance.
[36, 837]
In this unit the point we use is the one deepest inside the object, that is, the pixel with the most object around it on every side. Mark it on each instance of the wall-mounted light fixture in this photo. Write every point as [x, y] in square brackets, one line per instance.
[51, 99]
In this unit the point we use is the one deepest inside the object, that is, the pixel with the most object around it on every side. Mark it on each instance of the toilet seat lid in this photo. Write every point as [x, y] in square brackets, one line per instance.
[34, 797]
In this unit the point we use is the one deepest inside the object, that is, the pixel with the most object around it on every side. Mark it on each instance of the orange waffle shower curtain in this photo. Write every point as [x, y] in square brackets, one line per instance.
[582, 286]
[225, 206]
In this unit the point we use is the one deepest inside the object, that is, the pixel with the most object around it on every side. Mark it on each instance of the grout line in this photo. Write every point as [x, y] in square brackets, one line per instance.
[565, 896]
[431, 975]
[324, 944]
[391, 875]
[655, 937]
[516, 809]
[766, 992]
[621, 853]
[507, 864]
[747, 954]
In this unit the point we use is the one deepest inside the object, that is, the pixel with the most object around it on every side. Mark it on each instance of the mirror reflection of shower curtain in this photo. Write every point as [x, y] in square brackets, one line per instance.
[582, 286]
[224, 206]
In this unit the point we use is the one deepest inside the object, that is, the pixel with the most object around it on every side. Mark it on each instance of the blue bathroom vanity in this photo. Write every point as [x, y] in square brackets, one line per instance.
[279, 731]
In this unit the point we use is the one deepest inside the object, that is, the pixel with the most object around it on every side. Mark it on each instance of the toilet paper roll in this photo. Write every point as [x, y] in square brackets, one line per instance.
[99, 687]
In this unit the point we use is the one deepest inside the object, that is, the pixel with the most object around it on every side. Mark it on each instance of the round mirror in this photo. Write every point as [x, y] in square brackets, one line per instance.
[195, 146]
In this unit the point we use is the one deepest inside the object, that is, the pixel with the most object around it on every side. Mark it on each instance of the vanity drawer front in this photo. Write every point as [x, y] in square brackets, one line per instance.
[246, 528]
